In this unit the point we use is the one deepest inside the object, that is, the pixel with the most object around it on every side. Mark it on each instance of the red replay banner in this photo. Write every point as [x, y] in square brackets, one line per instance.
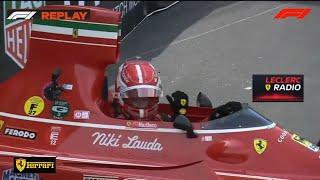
[277, 88]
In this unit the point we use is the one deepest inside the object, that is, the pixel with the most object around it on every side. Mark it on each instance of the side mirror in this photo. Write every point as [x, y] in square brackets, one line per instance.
[183, 123]
[56, 74]
[53, 91]
[203, 100]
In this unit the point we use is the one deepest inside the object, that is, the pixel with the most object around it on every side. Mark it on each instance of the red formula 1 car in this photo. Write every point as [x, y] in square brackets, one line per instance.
[44, 112]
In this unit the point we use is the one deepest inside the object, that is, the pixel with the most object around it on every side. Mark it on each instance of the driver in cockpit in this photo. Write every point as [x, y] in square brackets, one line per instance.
[137, 92]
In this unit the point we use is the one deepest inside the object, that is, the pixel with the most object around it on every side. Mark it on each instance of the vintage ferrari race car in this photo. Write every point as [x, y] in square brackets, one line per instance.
[64, 114]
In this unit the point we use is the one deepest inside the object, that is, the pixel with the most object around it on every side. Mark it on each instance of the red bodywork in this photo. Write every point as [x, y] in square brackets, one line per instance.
[227, 154]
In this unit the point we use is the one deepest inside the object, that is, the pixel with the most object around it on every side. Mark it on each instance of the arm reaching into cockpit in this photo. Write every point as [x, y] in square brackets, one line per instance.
[225, 110]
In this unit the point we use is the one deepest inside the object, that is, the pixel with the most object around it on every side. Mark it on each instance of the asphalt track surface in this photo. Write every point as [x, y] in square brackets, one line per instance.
[215, 47]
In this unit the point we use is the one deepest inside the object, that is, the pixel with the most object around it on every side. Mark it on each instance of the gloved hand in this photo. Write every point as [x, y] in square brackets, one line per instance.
[226, 109]
[179, 103]
[166, 117]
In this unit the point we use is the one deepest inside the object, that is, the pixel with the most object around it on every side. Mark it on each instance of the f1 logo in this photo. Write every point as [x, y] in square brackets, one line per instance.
[22, 15]
[299, 13]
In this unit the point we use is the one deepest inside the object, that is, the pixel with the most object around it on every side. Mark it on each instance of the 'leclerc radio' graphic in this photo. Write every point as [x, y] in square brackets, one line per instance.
[277, 88]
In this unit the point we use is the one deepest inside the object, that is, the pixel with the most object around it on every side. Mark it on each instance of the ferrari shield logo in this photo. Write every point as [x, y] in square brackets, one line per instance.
[128, 123]
[260, 145]
[183, 102]
[21, 164]
[75, 33]
[268, 86]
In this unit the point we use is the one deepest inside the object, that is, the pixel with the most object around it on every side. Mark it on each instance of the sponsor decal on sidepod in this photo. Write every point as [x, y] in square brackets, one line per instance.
[79, 114]
[282, 136]
[10, 175]
[20, 133]
[54, 136]
[207, 138]
[91, 177]
[34, 106]
[60, 109]
[141, 125]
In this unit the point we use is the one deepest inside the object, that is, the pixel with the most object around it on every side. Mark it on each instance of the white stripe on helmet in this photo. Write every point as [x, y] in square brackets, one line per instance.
[119, 79]
[140, 86]
[141, 113]
[139, 73]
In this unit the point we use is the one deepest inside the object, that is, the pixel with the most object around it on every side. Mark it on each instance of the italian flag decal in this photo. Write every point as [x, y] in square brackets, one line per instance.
[77, 32]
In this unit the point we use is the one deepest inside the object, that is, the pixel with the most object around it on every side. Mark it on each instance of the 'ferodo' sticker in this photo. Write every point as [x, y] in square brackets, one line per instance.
[34, 106]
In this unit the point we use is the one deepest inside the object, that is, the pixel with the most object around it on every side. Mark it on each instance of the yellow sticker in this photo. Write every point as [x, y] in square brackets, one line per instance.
[183, 111]
[305, 143]
[1, 124]
[34, 106]
[183, 102]
[260, 145]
